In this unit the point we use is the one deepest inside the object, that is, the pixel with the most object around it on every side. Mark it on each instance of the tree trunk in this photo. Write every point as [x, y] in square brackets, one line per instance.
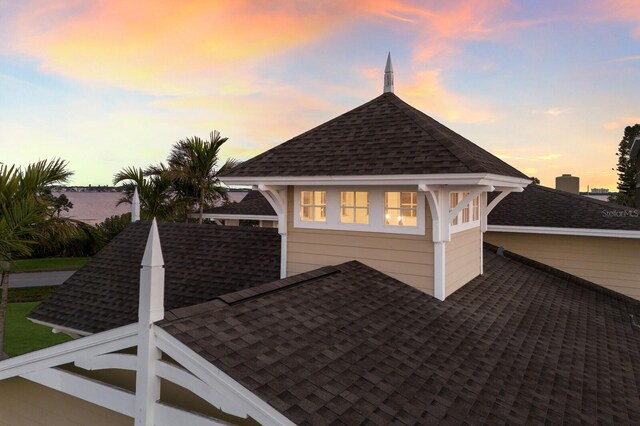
[3, 307]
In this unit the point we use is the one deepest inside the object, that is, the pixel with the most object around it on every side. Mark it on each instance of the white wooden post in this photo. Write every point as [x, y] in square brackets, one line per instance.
[150, 309]
[135, 206]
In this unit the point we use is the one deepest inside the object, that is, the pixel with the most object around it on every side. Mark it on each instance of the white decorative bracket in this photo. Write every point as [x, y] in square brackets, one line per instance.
[504, 191]
[277, 197]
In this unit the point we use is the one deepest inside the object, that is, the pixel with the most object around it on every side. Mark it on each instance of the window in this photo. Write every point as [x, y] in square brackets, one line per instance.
[453, 202]
[400, 208]
[354, 207]
[313, 206]
[476, 208]
[469, 215]
[465, 210]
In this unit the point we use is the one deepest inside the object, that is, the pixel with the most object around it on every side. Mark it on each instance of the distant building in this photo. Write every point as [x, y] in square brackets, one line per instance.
[601, 194]
[568, 183]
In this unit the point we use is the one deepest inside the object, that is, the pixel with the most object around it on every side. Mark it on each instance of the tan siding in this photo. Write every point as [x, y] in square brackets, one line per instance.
[24, 403]
[408, 258]
[462, 258]
[611, 262]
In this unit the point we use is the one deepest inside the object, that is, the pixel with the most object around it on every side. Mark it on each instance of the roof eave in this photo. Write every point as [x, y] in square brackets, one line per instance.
[381, 180]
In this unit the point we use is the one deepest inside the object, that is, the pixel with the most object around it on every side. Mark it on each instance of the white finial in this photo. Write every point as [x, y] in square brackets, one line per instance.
[151, 304]
[135, 206]
[388, 76]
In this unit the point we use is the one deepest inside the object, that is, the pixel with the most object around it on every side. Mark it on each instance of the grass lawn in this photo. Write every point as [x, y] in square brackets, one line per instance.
[48, 264]
[22, 336]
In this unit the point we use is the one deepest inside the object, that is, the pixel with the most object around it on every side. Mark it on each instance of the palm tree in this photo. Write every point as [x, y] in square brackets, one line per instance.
[24, 215]
[193, 165]
[155, 191]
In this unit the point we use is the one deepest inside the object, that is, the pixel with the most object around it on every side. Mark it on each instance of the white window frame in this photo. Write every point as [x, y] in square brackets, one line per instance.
[472, 223]
[376, 210]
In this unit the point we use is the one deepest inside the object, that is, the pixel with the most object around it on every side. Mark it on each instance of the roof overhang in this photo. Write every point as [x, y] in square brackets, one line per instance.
[582, 232]
[61, 328]
[378, 180]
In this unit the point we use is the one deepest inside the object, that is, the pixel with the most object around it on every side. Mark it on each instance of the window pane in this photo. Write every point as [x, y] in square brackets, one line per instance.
[392, 216]
[362, 199]
[320, 214]
[346, 215]
[318, 198]
[362, 215]
[392, 199]
[408, 199]
[306, 198]
[465, 215]
[346, 198]
[305, 214]
[409, 217]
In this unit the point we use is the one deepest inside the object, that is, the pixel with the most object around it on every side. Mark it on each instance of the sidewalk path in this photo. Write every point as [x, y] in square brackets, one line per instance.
[37, 279]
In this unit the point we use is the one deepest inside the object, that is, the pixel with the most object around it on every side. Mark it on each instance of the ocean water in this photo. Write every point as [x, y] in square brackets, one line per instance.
[94, 207]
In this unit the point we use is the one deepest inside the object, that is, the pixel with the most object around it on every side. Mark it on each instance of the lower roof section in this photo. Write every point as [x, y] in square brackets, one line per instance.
[201, 262]
[517, 345]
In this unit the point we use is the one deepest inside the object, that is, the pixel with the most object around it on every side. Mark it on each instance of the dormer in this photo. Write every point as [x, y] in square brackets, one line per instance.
[387, 185]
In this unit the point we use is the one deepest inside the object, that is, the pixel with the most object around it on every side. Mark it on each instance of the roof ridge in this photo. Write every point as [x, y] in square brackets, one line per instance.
[582, 197]
[543, 267]
[419, 124]
[239, 296]
[293, 139]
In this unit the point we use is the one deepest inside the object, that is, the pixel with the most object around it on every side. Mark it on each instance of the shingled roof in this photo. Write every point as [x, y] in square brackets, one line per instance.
[202, 262]
[253, 204]
[539, 206]
[385, 136]
[350, 345]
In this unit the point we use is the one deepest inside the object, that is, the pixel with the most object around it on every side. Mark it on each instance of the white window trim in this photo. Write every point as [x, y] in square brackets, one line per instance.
[469, 225]
[376, 210]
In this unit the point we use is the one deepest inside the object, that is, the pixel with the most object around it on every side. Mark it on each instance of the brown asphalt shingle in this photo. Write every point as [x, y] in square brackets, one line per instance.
[385, 136]
[201, 262]
[545, 207]
[350, 345]
[253, 204]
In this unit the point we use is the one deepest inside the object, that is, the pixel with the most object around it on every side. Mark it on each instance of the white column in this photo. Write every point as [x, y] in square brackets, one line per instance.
[150, 310]
[135, 206]
[439, 270]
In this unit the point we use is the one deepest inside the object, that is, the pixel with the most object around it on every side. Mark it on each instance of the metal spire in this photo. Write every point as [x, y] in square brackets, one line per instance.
[388, 76]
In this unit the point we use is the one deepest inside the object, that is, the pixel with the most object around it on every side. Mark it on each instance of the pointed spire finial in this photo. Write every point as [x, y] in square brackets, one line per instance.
[388, 76]
[135, 206]
[153, 252]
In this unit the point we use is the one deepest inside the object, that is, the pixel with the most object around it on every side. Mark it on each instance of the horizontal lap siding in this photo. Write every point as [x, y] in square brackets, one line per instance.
[462, 259]
[407, 258]
[26, 403]
[610, 262]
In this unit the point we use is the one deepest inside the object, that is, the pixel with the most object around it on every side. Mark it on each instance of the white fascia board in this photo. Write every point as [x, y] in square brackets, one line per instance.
[431, 179]
[582, 232]
[60, 328]
[218, 380]
[238, 216]
[64, 353]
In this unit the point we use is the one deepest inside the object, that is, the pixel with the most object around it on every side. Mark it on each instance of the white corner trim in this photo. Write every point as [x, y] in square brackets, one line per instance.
[583, 232]
[217, 379]
[377, 180]
[107, 341]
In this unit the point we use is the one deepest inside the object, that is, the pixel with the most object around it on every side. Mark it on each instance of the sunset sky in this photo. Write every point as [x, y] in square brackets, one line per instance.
[548, 86]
